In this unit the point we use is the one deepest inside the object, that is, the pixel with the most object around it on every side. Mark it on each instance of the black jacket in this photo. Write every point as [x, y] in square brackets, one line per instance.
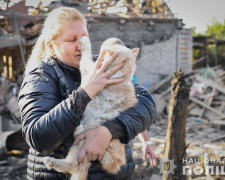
[49, 120]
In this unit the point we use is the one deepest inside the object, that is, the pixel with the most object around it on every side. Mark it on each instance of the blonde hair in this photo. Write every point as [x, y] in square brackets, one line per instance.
[52, 27]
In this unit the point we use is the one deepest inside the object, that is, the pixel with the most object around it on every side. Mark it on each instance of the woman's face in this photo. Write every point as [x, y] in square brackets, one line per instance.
[67, 45]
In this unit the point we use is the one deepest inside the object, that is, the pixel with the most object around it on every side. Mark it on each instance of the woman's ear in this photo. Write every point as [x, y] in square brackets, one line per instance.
[50, 47]
[135, 52]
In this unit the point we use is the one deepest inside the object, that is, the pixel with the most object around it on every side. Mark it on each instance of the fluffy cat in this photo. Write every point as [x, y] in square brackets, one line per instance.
[104, 106]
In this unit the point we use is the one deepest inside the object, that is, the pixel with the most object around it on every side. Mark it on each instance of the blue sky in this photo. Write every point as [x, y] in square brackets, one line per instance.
[198, 12]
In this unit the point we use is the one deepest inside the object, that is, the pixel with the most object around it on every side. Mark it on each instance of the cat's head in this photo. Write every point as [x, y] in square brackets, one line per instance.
[125, 55]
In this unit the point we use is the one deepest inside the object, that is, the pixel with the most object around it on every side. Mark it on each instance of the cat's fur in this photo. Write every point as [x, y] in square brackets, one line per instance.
[104, 106]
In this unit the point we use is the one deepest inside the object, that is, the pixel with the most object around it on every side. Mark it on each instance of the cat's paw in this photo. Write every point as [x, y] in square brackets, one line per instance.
[85, 44]
[48, 161]
[112, 163]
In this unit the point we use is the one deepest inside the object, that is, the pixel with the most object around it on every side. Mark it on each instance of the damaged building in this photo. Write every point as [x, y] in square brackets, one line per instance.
[148, 25]
[165, 46]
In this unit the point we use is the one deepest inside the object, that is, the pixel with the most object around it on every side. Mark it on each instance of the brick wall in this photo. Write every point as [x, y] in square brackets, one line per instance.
[163, 47]
[164, 57]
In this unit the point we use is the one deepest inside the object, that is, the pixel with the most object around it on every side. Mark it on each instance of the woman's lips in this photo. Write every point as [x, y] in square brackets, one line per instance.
[78, 55]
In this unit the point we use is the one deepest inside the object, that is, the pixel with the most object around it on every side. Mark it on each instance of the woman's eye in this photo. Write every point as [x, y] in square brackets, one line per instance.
[72, 40]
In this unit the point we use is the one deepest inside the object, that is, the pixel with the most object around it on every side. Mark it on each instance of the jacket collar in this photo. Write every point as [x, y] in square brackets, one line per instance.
[73, 72]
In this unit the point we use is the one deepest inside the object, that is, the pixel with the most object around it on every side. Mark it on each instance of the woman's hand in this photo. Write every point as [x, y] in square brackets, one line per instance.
[147, 149]
[96, 142]
[99, 79]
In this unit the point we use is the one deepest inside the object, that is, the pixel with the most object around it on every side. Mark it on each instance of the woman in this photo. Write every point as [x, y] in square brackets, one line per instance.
[52, 99]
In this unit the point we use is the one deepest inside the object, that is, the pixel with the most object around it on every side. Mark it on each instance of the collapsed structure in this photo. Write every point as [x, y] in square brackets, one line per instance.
[150, 25]
[164, 45]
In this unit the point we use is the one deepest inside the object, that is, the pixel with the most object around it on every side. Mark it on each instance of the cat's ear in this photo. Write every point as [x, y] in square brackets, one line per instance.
[109, 51]
[135, 52]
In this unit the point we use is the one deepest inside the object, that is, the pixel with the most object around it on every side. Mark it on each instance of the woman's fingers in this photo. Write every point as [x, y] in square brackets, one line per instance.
[94, 157]
[152, 162]
[155, 161]
[96, 142]
[99, 60]
[89, 155]
[113, 70]
[100, 157]
[115, 81]
[108, 62]
[79, 137]
[81, 155]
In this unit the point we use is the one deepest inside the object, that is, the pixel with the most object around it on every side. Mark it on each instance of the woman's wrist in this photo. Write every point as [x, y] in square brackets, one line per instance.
[107, 132]
[79, 99]
[115, 129]
[88, 90]
[148, 142]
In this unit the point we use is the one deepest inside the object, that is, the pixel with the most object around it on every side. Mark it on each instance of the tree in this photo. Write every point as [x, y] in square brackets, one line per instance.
[216, 27]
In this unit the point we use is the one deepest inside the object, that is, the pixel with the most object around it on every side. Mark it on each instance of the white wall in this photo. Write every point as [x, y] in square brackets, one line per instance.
[163, 58]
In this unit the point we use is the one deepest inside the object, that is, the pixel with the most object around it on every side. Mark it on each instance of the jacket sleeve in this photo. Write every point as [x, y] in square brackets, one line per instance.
[46, 120]
[134, 120]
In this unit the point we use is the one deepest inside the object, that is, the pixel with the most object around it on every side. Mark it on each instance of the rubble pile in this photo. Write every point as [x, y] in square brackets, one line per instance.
[204, 126]
[13, 148]
[9, 108]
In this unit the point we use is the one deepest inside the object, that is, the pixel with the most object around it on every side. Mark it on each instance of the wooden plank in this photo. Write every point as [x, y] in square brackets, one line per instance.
[206, 106]
[210, 83]
[218, 138]
[23, 15]
[160, 84]
[202, 120]
[208, 100]
[222, 107]
[4, 43]
[191, 106]
[217, 122]
[165, 92]
[158, 140]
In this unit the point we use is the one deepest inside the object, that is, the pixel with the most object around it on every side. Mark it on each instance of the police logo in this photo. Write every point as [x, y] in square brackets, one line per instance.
[166, 166]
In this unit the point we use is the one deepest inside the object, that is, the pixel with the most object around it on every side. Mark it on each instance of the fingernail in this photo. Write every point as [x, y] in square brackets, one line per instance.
[115, 53]
[122, 64]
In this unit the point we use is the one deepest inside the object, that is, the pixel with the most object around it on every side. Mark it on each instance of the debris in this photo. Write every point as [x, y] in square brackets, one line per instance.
[205, 120]
[160, 84]
[156, 177]
[206, 106]
[4, 87]
[13, 107]
[13, 148]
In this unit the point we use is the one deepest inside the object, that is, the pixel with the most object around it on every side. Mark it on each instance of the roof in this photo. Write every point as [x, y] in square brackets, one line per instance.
[131, 8]
[200, 41]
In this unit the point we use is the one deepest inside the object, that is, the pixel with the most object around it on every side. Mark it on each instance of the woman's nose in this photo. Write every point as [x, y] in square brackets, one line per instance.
[78, 45]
